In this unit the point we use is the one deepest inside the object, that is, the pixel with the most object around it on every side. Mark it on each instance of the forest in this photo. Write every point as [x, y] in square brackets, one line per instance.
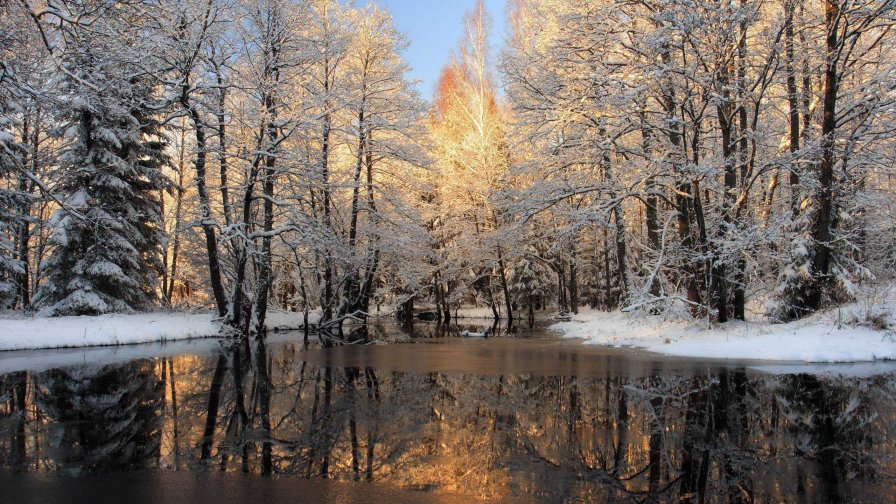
[713, 160]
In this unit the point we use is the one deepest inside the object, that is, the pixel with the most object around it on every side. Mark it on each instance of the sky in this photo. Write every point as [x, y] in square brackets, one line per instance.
[433, 28]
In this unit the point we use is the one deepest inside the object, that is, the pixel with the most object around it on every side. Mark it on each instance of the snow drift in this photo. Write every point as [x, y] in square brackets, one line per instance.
[820, 338]
[119, 329]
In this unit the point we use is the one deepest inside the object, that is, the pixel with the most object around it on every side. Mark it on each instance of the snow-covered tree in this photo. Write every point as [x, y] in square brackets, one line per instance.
[106, 236]
[529, 283]
[713, 159]
[672, 125]
[471, 154]
[12, 155]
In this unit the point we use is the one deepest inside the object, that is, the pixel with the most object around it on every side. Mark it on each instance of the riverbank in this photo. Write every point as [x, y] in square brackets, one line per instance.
[851, 333]
[32, 333]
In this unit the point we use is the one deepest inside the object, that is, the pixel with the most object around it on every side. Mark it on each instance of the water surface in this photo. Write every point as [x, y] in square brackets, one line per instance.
[420, 415]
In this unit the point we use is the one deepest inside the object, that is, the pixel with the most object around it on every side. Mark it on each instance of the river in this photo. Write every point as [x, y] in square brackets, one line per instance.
[421, 415]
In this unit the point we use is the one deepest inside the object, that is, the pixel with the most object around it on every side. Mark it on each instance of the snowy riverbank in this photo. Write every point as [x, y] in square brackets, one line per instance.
[826, 337]
[27, 333]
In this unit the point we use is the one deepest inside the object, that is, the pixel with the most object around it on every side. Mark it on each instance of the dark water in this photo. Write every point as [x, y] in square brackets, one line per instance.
[428, 418]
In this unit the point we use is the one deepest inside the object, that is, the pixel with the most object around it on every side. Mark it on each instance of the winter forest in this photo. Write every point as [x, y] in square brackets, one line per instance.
[597, 250]
[706, 160]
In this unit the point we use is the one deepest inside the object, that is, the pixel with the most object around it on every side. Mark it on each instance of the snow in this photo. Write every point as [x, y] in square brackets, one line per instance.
[40, 360]
[821, 338]
[476, 312]
[279, 320]
[123, 329]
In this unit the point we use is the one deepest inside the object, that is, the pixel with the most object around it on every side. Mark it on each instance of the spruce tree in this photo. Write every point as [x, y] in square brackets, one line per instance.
[794, 279]
[10, 154]
[106, 236]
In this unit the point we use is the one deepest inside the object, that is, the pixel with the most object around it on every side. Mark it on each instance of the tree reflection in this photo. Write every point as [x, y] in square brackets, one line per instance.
[833, 428]
[13, 417]
[726, 435]
[105, 420]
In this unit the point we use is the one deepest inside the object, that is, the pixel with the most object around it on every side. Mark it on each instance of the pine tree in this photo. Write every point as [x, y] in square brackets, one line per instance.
[529, 282]
[10, 154]
[9, 265]
[106, 236]
[792, 287]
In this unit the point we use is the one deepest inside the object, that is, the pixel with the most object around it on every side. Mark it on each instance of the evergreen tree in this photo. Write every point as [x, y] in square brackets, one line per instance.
[11, 152]
[529, 283]
[9, 265]
[792, 287]
[107, 236]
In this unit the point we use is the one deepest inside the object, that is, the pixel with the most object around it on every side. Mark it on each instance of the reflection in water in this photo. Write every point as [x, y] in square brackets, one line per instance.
[101, 421]
[727, 435]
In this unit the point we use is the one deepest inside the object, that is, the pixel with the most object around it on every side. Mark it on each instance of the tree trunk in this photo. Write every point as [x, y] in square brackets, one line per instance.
[222, 148]
[491, 297]
[237, 304]
[211, 241]
[437, 289]
[650, 204]
[683, 196]
[573, 281]
[266, 275]
[175, 249]
[447, 301]
[506, 289]
[327, 294]
[408, 309]
[531, 311]
[738, 305]
[608, 304]
[823, 225]
[372, 268]
[562, 304]
[351, 288]
[719, 269]
[794, 108]
[328, 261]
[621, 261]
[31, 137]
[23, 279]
